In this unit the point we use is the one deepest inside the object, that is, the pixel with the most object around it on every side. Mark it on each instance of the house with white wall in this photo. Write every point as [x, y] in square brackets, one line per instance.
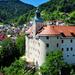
[42, 38]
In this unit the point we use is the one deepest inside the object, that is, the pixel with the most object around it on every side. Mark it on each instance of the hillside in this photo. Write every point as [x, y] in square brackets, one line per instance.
[59, 9]
[61, 5]
[11, 9]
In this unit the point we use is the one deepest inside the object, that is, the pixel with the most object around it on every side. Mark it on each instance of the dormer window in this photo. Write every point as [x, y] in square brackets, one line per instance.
[63, 34]
[73, 34]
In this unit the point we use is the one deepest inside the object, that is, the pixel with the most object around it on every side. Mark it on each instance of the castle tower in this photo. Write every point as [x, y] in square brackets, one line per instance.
[37, 22]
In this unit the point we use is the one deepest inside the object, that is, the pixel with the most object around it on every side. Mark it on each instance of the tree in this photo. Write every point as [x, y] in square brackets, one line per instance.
[8, 52]
[20, 43]
[16, 68]
[21, 20]
[53, 63]
[72, 17]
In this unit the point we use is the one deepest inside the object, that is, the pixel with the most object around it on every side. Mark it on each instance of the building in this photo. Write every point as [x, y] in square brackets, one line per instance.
[41, 39]
[55, 22]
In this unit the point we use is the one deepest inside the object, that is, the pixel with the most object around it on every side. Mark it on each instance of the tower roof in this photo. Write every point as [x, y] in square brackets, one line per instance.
[37, 17]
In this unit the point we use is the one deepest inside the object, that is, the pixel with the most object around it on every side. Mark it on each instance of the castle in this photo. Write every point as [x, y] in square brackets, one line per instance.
[42, 38]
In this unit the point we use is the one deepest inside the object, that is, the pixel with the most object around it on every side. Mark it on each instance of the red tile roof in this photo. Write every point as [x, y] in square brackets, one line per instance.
[55, 30]
[29, 30]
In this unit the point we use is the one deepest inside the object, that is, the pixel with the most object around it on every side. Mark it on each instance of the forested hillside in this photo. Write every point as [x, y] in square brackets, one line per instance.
[15, 11]
[59, 10]
[12, 9]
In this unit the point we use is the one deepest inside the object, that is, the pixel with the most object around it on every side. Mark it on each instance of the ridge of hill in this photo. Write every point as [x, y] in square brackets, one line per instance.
[11, 9]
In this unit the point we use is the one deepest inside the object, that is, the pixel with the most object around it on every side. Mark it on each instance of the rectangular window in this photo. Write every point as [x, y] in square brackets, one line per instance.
[47, 37]
[62, 41]
[71, 41]
[71, 48]
[47, 45]
[73, 54]
[57, 37]
[67, 55]
[62, 49]
[67, 49]
[57, 45]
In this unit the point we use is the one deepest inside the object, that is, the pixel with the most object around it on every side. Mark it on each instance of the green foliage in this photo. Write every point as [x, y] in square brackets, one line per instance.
[12, 9]
[72, 18]
[55, 15]
[53, 64]
[16, 68]
[20, 43]
[21, 20]
[25, 17]
[8, 52]
[59, 5]
[59, 10]
[45, 15]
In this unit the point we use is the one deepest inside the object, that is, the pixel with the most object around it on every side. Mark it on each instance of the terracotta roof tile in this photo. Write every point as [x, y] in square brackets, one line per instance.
[55, 30]
[30, 30]
[49, 30]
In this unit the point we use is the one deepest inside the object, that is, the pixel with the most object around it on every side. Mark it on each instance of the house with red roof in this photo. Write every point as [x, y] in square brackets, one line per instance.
[42, 38]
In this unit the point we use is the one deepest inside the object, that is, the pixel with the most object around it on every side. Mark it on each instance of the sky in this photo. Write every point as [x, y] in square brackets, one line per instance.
[34, 2]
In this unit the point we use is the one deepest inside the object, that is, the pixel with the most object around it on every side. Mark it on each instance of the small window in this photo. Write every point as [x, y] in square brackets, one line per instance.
[67, 55]
[47, 45]
[62, 49]
[57, 37]
[62, 41]
[57, 45]
[71, 41]
[71, 48]
[67, 49]
[73, 54]
[47, 37]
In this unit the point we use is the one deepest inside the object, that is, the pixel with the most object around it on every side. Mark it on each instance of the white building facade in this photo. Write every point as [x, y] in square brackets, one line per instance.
[41, 39]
